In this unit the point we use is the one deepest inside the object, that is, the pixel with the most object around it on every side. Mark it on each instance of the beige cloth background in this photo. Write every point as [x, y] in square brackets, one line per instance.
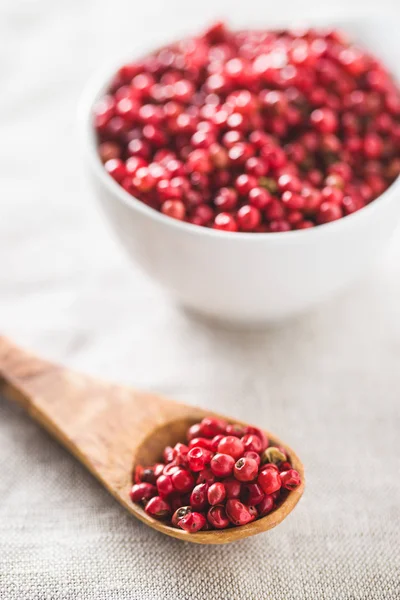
[328, 383]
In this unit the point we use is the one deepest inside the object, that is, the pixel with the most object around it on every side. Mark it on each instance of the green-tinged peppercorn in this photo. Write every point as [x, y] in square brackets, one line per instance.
[273, 455]
[269, 184]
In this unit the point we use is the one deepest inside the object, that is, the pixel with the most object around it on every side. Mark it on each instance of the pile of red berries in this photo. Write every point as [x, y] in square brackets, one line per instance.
[255, 131]
[227, 475]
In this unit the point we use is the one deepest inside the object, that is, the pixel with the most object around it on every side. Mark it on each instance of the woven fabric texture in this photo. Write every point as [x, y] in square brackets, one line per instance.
[328, 383]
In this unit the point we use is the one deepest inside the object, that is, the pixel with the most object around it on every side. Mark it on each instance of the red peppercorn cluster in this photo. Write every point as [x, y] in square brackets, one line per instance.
[226, 475]
[255, 131]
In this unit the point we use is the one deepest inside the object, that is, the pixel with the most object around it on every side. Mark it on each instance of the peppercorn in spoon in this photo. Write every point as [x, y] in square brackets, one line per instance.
[112, 428]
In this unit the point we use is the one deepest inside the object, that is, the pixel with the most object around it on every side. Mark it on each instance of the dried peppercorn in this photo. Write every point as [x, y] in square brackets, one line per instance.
[273, 455]
[204, 488]
[220, 136]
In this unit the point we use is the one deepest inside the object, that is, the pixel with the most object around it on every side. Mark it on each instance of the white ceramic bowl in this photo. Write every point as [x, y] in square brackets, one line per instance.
[242, 277]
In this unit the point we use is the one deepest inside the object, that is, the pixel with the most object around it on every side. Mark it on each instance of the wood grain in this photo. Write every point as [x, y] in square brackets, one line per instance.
[110, 427]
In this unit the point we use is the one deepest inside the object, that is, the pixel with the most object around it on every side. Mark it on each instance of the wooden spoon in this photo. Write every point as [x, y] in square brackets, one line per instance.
[110, 428]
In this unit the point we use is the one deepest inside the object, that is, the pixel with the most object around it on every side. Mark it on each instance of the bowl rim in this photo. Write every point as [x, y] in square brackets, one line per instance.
[97, 85]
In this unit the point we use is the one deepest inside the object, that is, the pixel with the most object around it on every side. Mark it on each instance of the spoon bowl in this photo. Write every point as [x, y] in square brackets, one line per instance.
[112, 428]
[169, 434]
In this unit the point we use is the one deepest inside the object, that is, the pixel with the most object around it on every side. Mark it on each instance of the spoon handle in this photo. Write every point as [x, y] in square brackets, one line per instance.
[22, 375]
[100, 423]
[57, 398]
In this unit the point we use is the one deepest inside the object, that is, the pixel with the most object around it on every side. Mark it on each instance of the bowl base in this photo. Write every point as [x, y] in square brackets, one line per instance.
[234, 324]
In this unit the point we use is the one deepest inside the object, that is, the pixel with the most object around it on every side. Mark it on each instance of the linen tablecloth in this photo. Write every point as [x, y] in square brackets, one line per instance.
[328, 383]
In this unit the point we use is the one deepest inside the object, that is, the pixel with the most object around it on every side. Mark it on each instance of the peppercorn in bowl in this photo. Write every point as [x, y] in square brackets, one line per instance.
[252, 173]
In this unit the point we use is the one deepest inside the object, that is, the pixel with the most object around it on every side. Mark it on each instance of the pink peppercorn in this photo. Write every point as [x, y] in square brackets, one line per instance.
[116, 168]
[222, 465]
[170, 468]
[285, 466]
[328, 211]
[260, 434]
[293, 201]
[252, 442]
[226, 199]
[215, 442]
[198, 497]
[238, 513]
[245, 469]
[109, 151]
[332, 194]
[248, 217]
[157, 470]
[137, 474]
[232, 487]
[181, 452]
[324, 120]
[254, 455]
[192, 522]
[198, 458]
[174, 208]
[290, 479]
[268, 467]
[245, 183]
[259, 198]
[193, 431]
[142, 491]
[265, 506]
[201, 442]
[236, 430]
[225, 222]
[158, 508]
[165, 486]
[252, 494]
[180, 512]
[373, 145]
[168, 454]
[269, 480]
[216, 493]
[231, 445]
[217, 518]
[182, 480]
[206, 476]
